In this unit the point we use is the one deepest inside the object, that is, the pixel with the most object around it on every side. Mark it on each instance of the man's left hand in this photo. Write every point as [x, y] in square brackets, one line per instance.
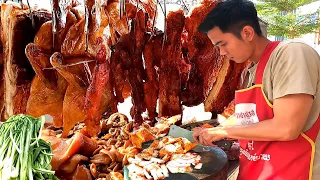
[206, 136]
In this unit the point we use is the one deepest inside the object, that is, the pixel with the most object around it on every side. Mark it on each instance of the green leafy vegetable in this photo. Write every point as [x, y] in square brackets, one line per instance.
[23, 154]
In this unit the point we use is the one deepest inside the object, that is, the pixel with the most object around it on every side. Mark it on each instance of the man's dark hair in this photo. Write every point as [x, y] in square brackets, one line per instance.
[231, 16]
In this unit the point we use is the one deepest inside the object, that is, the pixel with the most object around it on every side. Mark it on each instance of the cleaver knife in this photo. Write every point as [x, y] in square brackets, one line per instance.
[177, 131]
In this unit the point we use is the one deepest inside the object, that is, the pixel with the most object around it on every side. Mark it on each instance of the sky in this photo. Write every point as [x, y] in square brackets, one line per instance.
[309, 8]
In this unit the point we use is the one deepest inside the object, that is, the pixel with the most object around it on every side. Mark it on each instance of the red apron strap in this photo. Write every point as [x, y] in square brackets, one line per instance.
[264, 59]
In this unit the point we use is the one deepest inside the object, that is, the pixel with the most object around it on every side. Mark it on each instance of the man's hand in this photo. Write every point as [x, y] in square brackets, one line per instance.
[196, 133]
[206, 136]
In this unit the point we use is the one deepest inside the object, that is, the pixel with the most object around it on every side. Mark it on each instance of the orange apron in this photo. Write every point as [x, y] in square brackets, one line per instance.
[265, 160]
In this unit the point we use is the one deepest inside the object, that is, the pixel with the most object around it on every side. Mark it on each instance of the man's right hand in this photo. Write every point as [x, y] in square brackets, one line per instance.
[196, 133]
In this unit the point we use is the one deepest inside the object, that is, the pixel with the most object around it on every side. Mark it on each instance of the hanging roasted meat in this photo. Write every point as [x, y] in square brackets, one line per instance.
[60, 22]
[74, 98]
[60, 39]
[100, 84]
[205, 66]
[227, 82]
[119, 75]
[88, 40]
[169, 76]
[94, 54]
[48, 87]
[81, 101]
[185, 67]
[94, 98]
[195, 39]
[45, 36]
[150, 7]
[204, 58]
[16, 32]
[132, 47]
[117, 22]
[152, 57]
[75, 41]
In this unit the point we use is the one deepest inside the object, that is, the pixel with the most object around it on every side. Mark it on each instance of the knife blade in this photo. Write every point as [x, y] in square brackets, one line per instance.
[177, 131]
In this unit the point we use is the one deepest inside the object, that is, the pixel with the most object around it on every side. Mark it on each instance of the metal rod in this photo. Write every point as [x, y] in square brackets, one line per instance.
[165, 25]
[68, 65]
[185, 5]
[122, 8]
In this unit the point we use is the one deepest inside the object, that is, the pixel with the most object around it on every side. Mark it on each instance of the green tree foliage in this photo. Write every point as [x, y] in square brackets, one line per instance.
[285, 19]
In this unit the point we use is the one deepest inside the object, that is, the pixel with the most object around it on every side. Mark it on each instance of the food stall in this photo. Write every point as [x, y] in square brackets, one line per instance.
[79, 59]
